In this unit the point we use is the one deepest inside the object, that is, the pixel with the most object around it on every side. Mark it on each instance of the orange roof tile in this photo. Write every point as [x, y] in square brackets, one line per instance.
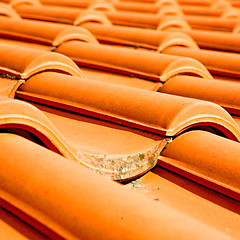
[136, 90]
[98, 207]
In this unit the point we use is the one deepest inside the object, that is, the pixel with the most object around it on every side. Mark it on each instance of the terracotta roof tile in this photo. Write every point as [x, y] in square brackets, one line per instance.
[120, 88]
[208, 163]
[28, 61]
[214, 61]
[89, 98]
[60, 182]
[44, 33]
[203, 204]
[139, 63]
[224, 93]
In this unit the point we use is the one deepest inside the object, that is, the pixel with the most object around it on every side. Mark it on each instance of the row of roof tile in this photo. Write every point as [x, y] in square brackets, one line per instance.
[121, 100]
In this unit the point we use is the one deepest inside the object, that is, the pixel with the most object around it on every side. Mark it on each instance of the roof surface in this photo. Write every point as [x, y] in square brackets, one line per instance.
[119, 119]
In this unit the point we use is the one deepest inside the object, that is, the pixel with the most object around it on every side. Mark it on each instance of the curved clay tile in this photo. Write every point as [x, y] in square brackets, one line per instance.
[169, 6]
[137, 37]
[211, 23]
[63, 15]
[70, 34]
[69, 15]
[8, 11]
[47, 33]
[220, 63]
[145, 64]
[151, 8]
[137, 7]
[167, 12]
[205, 3]
[75, 195]
[201, 11]
[231, 14]
[166, 186]
[167, 24]
[23, 62]
[48, 13]
[102, 6]
[214, 163]
[215, 40]
[185, 66]
[122, 164]
[203, 38]
[15, 3]
[152, 20]
[172, 17]
[221, 5]
[119, 5]
[119, 152]
[144, 7]
[134, 19]
[177, 39]
[115, 78]
[125, 164]
[27, 30]
[67, 3]
[224, 93]
[126, 36]
[160, 113]
[91, 16]
[151, 39]
[96, 74]
[19, 115]
[26, 44]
